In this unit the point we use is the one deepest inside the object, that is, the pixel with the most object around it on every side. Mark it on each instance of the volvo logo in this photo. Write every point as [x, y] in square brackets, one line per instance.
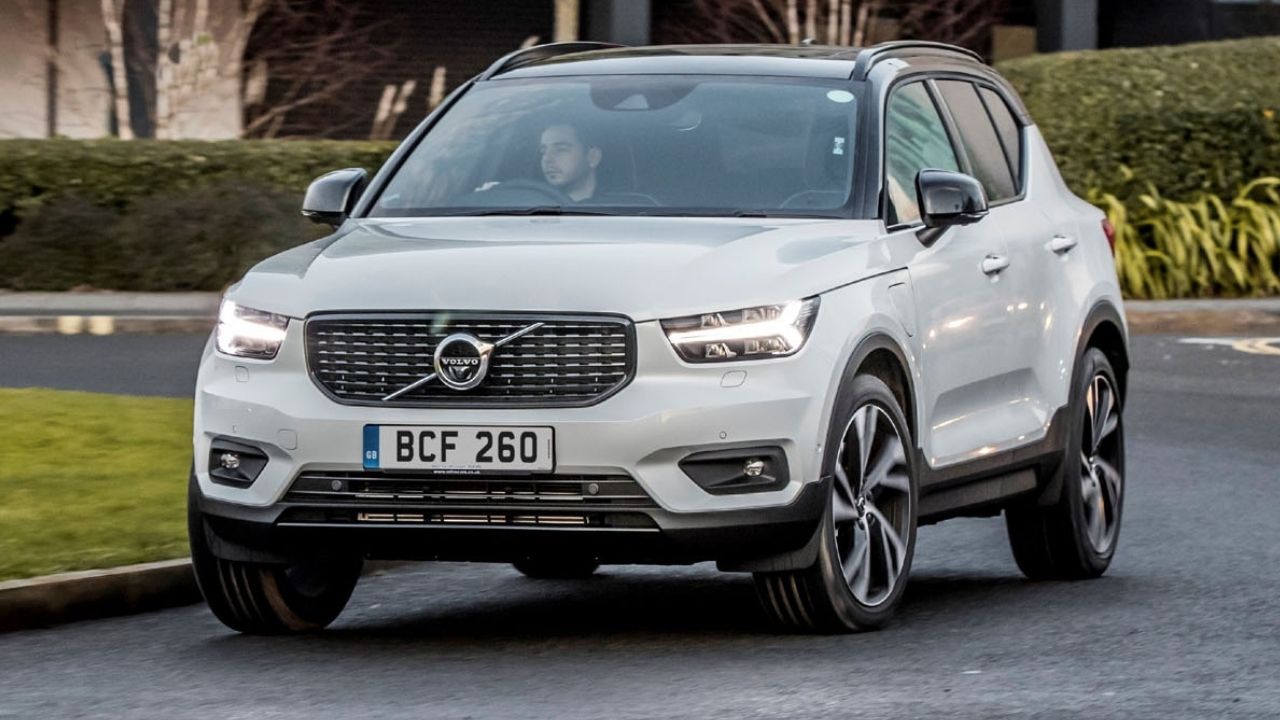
[461, 361]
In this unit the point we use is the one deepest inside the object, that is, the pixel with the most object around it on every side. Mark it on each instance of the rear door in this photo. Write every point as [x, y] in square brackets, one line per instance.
[965, 340]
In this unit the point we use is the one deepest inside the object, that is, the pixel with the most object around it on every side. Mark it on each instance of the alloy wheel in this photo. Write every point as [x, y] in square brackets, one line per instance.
[1101, 481]
[871, 505]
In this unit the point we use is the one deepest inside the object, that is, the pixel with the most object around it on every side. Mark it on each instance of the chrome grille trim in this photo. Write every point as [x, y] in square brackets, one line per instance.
[420, 490]
[571, 361]
[596, 502]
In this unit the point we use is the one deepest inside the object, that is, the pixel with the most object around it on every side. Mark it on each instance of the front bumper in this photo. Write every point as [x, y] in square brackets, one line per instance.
[669, 411]
[738, 539]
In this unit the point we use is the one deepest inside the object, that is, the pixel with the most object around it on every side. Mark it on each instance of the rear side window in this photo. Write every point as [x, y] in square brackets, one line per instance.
[1007, 127]
[979, 138]
[915, 139]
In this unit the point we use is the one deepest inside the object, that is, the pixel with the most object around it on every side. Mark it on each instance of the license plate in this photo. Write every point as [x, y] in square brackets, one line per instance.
[458, 447]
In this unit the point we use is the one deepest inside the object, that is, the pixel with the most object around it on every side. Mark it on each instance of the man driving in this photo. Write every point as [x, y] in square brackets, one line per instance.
[569, 160]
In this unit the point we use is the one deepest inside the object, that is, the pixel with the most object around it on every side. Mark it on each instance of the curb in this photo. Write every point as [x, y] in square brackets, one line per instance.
[50, 600]
[1153, 321]
[1203, 322]
[103, 324]
[88, 594]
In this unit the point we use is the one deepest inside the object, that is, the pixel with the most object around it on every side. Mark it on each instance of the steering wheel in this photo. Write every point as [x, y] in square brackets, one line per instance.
[546, 192]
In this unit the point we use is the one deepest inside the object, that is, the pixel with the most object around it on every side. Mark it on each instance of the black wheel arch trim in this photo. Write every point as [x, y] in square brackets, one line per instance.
[1102, 313]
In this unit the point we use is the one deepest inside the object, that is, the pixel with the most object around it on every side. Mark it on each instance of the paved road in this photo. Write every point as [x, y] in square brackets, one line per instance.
[1186, 624]
[129, 364]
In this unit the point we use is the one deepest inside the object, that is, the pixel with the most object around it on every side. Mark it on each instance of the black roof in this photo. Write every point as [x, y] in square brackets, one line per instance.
[821, 61]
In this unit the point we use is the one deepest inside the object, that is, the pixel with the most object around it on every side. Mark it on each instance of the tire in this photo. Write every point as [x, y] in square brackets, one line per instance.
[269, 599]
[542, 568]
[869, 526]
[1075, 538]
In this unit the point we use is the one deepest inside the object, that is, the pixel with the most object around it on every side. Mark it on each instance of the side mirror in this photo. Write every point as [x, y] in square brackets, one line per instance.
[949, 198]
[331, 196]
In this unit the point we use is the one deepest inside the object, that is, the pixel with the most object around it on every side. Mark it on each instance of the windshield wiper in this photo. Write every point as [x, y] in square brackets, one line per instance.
[536, 210]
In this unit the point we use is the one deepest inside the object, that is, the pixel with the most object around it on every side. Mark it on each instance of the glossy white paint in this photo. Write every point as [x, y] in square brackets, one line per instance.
[989, 355]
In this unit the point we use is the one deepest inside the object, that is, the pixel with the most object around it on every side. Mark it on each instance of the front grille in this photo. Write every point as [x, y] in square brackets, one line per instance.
[594, 501]
[569, 361]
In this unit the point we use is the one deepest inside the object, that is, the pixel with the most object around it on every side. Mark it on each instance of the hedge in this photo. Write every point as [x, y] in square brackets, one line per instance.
[147, 215]
[1191, 121]
[115, 173]
[1188, 119]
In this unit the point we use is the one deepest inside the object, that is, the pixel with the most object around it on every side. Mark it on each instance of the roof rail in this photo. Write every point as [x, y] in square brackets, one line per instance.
[525, 56]
[868, 58]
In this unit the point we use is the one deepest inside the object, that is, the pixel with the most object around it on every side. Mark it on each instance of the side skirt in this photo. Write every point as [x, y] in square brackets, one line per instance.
[980, 488]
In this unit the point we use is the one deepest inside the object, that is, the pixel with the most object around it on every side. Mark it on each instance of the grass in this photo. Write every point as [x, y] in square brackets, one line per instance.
[90, 480]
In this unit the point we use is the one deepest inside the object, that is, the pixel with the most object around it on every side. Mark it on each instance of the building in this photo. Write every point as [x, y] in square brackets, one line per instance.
[373, 68]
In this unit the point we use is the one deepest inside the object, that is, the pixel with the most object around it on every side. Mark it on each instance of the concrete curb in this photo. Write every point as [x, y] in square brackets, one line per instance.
[1191, 321]
[103, 324]
[1145, 321]
[88, 594]
[91, 594]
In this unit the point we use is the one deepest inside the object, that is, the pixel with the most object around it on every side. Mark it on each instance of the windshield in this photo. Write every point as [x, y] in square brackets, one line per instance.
[633, 145]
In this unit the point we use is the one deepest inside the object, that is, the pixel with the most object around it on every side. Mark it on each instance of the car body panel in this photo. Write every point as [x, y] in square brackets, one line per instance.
[988, 359]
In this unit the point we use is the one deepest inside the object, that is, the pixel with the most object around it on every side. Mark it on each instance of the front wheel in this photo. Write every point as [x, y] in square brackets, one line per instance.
[1075, 537]
[269, 599]
[868, 533]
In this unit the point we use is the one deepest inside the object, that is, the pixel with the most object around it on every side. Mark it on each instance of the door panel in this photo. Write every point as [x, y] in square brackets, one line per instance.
[963, 334]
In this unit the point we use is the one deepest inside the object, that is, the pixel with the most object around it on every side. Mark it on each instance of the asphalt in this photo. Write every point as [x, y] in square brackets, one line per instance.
[1186, 623]
[162, 365]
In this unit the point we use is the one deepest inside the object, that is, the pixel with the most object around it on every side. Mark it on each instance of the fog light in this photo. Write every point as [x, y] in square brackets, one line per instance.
[235, 463]
[738, 470]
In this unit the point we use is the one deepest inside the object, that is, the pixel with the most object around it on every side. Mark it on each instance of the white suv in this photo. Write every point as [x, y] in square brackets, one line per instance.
[770, 306]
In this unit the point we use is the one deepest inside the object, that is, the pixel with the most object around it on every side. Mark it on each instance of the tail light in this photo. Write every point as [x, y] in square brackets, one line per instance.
[1110, 231]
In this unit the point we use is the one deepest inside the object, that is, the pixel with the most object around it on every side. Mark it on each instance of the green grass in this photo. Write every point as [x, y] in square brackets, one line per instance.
[90, 480]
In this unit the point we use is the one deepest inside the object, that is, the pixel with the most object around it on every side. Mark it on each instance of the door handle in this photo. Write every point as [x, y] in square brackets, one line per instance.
[1062, 244]
[993, 264]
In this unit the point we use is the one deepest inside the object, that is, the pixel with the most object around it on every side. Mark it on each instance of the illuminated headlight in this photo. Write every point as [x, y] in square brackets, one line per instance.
[750, 334]
[250, 333]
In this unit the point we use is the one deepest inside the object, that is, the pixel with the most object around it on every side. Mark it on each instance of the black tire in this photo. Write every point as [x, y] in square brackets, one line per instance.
[1059, 541]
[269, 599]
[543, 568]
[822, 598]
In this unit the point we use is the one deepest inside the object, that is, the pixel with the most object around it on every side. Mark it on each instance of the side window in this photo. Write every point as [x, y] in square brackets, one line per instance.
[915, 139]
[978, 136]
[1007, 127]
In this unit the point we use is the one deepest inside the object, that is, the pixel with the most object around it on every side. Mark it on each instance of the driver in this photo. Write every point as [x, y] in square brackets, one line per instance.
[569, 160]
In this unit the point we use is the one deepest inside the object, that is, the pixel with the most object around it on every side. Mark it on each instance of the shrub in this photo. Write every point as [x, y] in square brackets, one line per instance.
[146, 215]
[1190, 119]
[173, 241]
[1205, 247]
[115, 173]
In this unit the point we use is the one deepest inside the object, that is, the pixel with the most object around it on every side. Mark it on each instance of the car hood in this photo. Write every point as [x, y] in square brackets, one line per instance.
[644, 268]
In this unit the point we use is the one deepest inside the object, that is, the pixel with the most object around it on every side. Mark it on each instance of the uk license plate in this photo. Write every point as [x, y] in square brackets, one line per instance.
[459, 447]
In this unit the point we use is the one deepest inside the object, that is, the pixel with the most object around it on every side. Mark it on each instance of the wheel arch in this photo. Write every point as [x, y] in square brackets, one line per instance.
[1104, 329]
[879, 354]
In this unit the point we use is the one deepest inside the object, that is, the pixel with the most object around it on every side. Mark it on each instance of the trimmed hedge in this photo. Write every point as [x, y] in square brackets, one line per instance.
[1189, 119]
[1192, 120]
[115, 173]
[146, 215]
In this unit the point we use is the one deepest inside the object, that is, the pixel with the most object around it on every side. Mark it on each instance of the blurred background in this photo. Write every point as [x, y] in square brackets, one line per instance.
[1163, 112]
[152, 150]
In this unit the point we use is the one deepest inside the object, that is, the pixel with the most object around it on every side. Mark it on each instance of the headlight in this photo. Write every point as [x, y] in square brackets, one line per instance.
[250, 333]
[750, 334]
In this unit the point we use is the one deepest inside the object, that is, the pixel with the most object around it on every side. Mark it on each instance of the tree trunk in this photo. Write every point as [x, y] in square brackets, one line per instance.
[112, 17]
[793, 23]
